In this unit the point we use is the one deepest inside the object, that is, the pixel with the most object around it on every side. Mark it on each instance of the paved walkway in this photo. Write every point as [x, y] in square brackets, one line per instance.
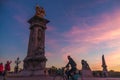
[29, 78]
[101, 79]
[51, 78]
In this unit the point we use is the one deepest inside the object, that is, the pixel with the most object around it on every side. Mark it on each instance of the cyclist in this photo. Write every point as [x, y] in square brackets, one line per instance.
[73, 65]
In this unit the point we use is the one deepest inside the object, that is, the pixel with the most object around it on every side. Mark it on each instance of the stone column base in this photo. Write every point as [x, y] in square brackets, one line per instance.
[25, 73]
[87, 73]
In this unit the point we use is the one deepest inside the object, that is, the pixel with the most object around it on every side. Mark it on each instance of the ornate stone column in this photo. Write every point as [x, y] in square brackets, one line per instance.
[35, 60]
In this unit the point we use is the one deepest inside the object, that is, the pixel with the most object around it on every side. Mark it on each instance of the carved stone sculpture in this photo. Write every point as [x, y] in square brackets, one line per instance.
[86, 71]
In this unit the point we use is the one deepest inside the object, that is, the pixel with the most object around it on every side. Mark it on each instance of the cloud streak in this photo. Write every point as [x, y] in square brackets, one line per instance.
[81, 41]
[105, 31]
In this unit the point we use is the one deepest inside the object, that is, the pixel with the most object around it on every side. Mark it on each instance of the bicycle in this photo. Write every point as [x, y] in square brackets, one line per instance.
[62, 75]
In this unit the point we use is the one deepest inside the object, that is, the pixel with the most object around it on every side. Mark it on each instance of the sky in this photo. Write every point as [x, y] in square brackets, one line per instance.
[83, 29]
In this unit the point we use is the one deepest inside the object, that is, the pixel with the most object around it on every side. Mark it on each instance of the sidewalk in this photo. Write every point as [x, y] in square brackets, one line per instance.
[29, 78]
[51, 78]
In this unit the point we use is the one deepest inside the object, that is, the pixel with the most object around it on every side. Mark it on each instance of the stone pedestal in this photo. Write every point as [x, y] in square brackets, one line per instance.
[34, 65]
[27, 73]
[86, 73]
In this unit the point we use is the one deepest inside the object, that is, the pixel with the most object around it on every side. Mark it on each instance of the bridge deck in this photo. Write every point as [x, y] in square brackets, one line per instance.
[51, 78]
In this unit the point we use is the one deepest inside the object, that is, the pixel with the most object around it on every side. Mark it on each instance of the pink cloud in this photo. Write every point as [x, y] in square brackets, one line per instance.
[73, 50]
[52, 43]
[20, 19]
[82, 41]
[107, 30]
[51, 28]
[64, 57]
[48, 54]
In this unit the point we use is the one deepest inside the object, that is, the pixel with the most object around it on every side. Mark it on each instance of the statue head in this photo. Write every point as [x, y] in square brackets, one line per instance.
[82, 62]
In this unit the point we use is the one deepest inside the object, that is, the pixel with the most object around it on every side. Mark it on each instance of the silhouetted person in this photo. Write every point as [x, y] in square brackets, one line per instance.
[73, 67]
[7, 66]
[7, 69]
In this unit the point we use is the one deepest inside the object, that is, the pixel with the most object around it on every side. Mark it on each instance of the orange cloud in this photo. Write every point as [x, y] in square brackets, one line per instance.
[113, 60]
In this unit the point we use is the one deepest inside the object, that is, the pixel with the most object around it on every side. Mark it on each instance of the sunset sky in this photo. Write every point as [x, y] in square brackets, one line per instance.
[84, 29]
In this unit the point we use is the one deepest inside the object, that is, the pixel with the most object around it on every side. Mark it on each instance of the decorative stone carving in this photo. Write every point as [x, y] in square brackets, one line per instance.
[35, 60]
[85, 65]
[40, 12]
[86, 71]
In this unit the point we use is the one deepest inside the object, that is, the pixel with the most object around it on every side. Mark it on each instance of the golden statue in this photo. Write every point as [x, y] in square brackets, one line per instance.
[40, 12]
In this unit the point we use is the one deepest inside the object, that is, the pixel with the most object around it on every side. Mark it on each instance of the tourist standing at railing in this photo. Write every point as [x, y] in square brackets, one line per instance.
[7, 69]
[7, 66]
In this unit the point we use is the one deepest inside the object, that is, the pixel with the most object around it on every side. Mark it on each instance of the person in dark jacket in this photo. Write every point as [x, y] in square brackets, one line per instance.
[73, 65]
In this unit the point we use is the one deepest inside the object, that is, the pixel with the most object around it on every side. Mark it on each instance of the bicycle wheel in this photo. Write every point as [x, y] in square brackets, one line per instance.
[58, 78]
[65, 78]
